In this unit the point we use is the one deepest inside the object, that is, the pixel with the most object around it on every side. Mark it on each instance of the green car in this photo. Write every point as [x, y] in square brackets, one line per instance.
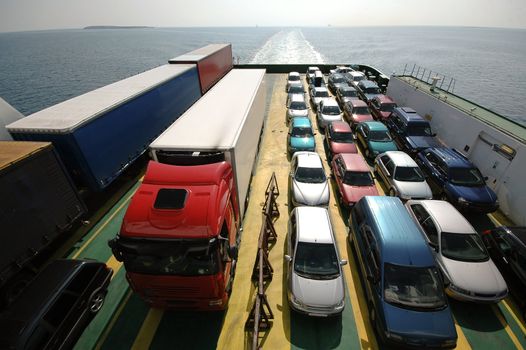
[374, 138]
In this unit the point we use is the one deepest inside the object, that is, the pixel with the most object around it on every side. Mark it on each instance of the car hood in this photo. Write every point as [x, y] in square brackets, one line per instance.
[317, 100]
[298, 112]
[317, 293]
[423, 142]
[415, 325]
[311, 193]
[355, 193]
[478, 194]
[331, 117]
[382, 147]
[479, 277]
[299, 142]
[340, 147]
[413, 189]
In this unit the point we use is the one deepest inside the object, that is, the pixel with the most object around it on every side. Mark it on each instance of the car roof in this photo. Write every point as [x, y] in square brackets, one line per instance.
[308, 159]
[357, 103]
[330, 101]
[409, 114]
[447, 216]
[313, 225]
[356, 73]
[297, 98]
[346, 88]
[375, 126]
[294, 73]
[452, 157]
[400, 158]
[337, 75]
[367, 83]
[400, 239]
[383, 99]
[301, 121]
[313, 68]
[320, 88]
[354, 162]
[340, 126]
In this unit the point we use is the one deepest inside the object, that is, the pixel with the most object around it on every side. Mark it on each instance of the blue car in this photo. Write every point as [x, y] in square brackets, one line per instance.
[455, 179]
[300, 137]
[404, 289]
[374, 139]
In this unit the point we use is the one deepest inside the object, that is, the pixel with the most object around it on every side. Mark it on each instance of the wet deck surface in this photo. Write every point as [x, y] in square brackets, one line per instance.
[126, 322]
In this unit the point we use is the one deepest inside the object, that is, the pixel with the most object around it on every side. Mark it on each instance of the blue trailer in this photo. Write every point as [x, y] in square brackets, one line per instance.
[100, 133]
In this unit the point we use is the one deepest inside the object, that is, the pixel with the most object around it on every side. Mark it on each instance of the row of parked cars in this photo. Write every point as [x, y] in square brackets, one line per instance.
[410, 255]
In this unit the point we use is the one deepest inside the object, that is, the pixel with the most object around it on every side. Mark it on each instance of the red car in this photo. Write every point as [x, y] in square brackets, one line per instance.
[353, 177]
[339, 139]
[356, 111]
[381, 107]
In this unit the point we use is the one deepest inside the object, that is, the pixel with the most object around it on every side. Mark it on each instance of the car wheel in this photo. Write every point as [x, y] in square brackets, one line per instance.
[96, 301]
[372, 316]
[392, 192]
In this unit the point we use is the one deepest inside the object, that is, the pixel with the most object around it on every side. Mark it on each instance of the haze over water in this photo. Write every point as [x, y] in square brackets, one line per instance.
[39, 69]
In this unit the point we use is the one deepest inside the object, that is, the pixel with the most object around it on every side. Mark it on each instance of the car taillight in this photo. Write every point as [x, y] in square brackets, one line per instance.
[486, 232]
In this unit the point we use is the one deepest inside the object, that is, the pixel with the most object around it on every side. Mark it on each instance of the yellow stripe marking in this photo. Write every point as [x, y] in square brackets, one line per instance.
[114, 264]
[512, 310]
[99, 230]
[462, 341]
[507, 328]
[149, 327]
[113, 320]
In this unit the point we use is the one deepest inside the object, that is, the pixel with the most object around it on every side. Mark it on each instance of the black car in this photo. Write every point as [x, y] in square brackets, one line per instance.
[56, 306]
[507, 248]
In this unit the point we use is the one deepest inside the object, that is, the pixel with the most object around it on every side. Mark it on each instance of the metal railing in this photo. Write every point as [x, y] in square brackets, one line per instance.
[442, 81]
[260, 316]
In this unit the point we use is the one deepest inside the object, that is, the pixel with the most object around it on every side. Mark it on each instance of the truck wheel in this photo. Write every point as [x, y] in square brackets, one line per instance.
[96, 301]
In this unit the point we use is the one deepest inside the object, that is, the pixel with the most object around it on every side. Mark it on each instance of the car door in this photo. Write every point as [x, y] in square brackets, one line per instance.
[435, 175]
[385, 169]
[362, 134]
[427, 225]
[291, 244]
[340, 173]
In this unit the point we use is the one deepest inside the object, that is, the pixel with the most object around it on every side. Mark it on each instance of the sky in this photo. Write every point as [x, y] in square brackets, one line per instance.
[24, 15]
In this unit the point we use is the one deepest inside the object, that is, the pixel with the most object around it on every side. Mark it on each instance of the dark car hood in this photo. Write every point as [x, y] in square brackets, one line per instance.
[423, 142]
[479, 194]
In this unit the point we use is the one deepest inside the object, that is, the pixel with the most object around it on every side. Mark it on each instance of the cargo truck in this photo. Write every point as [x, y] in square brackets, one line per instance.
[181, 231]
[38, 203]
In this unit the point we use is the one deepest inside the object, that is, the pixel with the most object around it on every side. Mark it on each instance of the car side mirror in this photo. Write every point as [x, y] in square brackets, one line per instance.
[343, 262]
[434, 246]
[371, 279]
[232, 252]
[288, 258]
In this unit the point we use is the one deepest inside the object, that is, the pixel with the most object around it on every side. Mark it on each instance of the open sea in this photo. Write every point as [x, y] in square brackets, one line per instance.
[40, 69]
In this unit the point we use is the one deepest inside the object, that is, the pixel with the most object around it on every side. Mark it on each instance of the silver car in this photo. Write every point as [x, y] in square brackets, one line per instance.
[328, 111]
[314, 273]
[402, 176]
[297, 107]
[308, 183]
[293, 79]
[318, 94]
[468, 271]
[310, 73]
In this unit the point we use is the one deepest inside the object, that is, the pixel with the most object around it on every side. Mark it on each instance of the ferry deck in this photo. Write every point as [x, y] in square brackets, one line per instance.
[126, 321]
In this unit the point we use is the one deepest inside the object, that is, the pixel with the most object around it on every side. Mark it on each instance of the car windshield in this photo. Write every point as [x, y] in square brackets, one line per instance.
[413, 287]
[463, 247]
[342, 137]
[322, 93]
[316, 261]
[411, 174]
[301, 131]
[296, 89]
[171, 257]
[466, 177]
[336, 80]
[331, 110]
[387, 107]
[294, 77]
[358, 178]
[298, 105]
[372, 90]
[348, 93]
[310, 175]
[360, 110]
[419, 130]
[379, 136]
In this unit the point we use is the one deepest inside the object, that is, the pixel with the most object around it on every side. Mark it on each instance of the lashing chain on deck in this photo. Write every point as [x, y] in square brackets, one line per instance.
[260, 316]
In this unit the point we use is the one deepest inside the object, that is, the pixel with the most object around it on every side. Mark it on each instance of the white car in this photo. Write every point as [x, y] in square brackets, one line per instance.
[402, 176]
[297, 107]
[308, 183]
[293, 79]
[353, 78]
[317, 94]
[310, 73]
[314, 273]
[341, 70]
[328, 111]
[468, 271]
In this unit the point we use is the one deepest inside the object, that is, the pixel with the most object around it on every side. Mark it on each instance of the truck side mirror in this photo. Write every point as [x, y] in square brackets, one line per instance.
[232, 252]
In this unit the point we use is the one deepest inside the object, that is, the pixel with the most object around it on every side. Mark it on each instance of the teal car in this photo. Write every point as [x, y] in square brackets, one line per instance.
[300, 137]
[374, 138]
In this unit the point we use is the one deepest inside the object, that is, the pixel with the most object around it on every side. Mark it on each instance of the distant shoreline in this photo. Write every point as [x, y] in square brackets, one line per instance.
[116, 27]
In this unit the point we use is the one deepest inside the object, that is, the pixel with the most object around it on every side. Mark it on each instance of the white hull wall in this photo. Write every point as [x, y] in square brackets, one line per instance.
[473, 138]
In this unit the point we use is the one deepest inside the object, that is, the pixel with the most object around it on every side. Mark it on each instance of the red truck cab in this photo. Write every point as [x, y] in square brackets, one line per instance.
[179, 236]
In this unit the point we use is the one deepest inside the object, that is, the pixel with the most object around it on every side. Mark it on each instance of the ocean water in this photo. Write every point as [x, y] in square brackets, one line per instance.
[39, 69]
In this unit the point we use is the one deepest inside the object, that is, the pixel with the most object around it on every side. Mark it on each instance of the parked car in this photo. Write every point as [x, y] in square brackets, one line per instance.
[356, 111]
[381, 107]
[338, 139]
[328, 111]
[374, 138]
[411, 132]
[454, 178]
[345, 94]
[507, 248]
[402, 285]
[336, 80]
[308, 183]
[293, 79]
[341, 70]
[402, 176]
[310, 73]
[469, 273]
[314, 275]
[317, 80]
[295, 90]
[367, 90]
[353, 78]
[55, 307]
[297, 107]
[353, 178]
[317, 94]
[300, 136]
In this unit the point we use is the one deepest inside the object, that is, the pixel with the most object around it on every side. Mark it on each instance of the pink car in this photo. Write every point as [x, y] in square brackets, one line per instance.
[353, 177]
[356, 111]
[381, 107]
[339, 139]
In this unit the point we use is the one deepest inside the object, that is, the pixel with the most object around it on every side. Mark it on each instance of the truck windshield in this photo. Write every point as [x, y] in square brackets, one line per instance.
[413, 287]
[170, 257]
